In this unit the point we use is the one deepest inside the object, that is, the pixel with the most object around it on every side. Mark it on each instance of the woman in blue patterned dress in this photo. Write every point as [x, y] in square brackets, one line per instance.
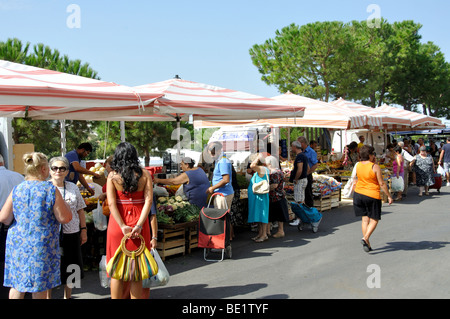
[35, 208]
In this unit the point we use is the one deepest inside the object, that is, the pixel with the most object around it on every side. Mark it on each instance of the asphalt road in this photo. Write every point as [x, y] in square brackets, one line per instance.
[409, 260]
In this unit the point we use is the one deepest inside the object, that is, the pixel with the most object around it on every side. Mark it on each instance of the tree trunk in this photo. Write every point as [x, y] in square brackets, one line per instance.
[430, 110]
[147, 158]
[383, 91]
[425, 111]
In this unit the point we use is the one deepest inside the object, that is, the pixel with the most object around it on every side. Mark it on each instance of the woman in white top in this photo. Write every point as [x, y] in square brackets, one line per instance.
[74, 233]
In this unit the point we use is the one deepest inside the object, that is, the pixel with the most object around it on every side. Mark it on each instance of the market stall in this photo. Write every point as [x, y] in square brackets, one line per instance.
[318, 114]
[418, 121]
[45, 94]
[64, 96]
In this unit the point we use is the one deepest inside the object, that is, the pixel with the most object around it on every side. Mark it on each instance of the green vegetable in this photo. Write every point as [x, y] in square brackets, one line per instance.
[163, 218]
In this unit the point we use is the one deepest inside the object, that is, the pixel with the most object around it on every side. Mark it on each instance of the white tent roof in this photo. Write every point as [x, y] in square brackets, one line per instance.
[317, 114]
[45, 94]
[380, 118]
[418, 121]
[207, 102]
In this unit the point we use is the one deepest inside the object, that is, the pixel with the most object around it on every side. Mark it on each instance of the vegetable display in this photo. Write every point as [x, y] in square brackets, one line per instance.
[174, 209]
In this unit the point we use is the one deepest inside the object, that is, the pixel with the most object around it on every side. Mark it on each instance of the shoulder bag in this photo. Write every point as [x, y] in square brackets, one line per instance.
[261, 187]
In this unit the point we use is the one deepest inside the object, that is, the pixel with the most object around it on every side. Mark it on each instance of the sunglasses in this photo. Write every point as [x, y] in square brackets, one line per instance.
[56, 168]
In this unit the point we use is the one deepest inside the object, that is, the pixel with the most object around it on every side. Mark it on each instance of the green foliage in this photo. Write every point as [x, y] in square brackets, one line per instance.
[149, 138]
[45, 135]
[386, 64]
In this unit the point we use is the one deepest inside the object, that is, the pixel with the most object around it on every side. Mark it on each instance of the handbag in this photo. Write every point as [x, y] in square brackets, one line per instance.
[261, 187]
[134, 265]
[349, 188]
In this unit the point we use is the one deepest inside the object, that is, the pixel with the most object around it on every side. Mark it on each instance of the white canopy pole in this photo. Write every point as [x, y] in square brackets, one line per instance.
[62, 126]
[122, 131]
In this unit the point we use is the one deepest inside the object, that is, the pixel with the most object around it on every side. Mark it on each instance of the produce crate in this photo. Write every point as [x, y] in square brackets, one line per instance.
[335, 198]
[191, 238]
[173, 241]
[323, 203]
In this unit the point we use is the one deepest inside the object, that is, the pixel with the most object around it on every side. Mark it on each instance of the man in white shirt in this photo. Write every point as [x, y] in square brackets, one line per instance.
[8, 179]
[407, 159]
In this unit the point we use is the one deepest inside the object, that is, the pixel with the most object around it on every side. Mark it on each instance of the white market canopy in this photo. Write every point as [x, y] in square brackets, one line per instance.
[418, 121]
[44, 94]
[317, 114]
[181, 98]
[383, 120]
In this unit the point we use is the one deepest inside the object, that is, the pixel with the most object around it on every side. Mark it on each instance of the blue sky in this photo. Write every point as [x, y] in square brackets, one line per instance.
[138, 42]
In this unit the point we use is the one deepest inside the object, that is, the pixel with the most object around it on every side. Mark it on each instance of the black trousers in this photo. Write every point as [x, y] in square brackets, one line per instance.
[309, 200]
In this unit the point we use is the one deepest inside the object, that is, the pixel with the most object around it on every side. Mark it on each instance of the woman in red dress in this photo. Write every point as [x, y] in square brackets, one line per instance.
[130, 195]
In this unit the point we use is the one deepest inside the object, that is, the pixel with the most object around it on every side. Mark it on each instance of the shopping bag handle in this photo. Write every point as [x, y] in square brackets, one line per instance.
[136, 252]
[214, 194]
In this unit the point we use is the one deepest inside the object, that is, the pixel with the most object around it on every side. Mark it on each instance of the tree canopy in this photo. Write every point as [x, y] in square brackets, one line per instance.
[371, 65]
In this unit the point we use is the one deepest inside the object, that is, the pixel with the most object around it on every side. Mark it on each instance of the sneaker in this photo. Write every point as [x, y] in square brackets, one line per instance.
[315, 226]
[295, 222]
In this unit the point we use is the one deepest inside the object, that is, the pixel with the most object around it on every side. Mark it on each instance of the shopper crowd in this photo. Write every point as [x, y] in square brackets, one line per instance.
[43, 223]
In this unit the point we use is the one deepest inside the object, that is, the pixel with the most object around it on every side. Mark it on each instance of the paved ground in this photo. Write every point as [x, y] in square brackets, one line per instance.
[410, 260]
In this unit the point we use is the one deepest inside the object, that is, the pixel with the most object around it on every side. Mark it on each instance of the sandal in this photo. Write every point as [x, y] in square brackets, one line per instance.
[366, 246]
[261, 239]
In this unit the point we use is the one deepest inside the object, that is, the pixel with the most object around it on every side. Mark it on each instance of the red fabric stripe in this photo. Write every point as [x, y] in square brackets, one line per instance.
[67, 93]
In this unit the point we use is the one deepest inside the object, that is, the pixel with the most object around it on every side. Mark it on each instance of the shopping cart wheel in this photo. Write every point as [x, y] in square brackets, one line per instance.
[228, 251]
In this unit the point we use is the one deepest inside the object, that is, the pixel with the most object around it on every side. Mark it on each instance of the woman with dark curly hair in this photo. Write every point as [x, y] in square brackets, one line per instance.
[130, 195]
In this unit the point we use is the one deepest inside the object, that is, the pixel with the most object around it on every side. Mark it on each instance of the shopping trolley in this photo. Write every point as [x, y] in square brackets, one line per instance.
[214, 230]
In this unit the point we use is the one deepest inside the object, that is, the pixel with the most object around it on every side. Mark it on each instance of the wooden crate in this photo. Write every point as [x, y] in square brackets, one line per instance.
[323, 203]
[173, 242]
[335, 198]
[191, 238]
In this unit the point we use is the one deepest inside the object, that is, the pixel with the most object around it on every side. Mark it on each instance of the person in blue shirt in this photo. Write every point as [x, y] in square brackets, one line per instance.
[311, 155]
[75, 169]
[194, 180]
[222, 177]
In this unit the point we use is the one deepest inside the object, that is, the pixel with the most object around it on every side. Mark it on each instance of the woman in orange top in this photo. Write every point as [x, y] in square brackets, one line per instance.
[367, 199]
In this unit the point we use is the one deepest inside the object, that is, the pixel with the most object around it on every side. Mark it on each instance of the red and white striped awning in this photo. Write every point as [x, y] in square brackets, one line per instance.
[207, 102]
[45, 94]
[378, 118]
[418, 121]
[317, 114]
